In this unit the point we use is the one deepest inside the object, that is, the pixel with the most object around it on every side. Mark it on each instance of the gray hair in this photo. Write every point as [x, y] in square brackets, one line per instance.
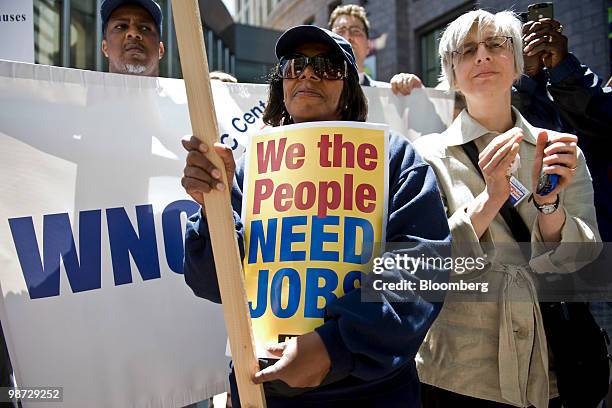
[504, 23]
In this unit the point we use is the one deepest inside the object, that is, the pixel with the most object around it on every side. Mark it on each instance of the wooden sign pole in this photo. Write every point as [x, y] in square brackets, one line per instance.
[218, 206]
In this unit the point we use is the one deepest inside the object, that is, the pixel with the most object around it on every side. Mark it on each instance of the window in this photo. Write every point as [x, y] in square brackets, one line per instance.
[82, 34]
[47, 29]
[428, 40]
[170, 65]
[430, 60]
[260, 14]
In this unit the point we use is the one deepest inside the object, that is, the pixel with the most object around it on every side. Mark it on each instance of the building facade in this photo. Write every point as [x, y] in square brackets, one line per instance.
[68, 33]
[282, 14]
[416, 25]
[254, 12]
[412, 28]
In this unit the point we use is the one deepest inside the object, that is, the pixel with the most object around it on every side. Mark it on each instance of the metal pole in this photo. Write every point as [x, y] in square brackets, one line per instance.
[210, 46]
[219, 55]
[99, 37]
[169, 40]
[226, 60]
[65, 34]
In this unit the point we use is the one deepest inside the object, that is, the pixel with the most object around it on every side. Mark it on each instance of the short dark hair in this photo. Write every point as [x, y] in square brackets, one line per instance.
[352, 105]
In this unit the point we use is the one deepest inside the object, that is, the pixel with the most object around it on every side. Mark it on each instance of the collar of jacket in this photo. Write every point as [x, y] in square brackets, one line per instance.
[465, 128]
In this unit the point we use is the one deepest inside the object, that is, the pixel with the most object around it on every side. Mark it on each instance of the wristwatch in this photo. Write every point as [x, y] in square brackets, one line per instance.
[546, 208]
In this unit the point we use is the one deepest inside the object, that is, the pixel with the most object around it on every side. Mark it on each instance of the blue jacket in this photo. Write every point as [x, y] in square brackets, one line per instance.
[372, 343]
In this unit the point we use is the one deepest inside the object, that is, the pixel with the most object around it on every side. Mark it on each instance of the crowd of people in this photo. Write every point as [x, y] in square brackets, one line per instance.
[525, 99]
[525, 96]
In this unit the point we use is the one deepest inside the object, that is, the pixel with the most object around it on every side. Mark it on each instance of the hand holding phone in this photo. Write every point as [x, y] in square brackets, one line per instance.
[547, 183]
[555, 162]
[543, 40]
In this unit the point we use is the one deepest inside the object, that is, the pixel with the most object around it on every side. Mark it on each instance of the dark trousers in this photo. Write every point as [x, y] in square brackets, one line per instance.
[434, 397]
[405, 395]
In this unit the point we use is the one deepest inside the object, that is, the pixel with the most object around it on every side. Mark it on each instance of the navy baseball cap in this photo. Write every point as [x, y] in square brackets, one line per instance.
[296, 36]
[152, 7]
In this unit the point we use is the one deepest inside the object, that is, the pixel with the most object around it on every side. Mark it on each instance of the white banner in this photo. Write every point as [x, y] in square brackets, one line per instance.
[17, 30]
[91, 231]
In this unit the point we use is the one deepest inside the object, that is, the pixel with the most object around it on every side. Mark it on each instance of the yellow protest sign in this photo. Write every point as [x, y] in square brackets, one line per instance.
[314, 210]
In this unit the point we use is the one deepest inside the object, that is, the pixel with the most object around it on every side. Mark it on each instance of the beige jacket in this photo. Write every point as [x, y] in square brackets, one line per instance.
[497, 350]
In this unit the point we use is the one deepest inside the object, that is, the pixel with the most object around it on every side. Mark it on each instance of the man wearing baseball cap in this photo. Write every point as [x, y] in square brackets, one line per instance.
[132, 36]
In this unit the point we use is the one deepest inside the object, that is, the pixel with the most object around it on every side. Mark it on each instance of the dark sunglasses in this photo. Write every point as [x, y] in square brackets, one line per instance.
[324, 66]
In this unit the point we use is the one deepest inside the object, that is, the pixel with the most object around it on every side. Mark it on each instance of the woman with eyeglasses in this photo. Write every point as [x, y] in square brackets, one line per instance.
[491, 351]
[363, 355]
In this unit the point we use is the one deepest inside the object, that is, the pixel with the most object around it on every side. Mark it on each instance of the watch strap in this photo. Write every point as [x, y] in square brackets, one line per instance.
[542, 207]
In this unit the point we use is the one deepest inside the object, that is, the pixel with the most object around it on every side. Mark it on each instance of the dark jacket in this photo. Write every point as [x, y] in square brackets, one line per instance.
[373, 343]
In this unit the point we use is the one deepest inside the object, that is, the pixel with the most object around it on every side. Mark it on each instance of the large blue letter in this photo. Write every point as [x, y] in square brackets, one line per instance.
[173, 231]
[293, 294]
[258, 239]
[58, 241]
[350, 236]
[125, 241]
[288, 237]
[318, 237]
[314, 291]
[262, 295]
[352, 281]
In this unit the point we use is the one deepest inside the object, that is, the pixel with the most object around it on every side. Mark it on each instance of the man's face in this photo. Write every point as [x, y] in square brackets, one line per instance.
[353, 30]
[131, 42]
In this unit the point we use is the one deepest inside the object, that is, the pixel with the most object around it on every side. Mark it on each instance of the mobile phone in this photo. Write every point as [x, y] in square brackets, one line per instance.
[547, 183]
[540, 10]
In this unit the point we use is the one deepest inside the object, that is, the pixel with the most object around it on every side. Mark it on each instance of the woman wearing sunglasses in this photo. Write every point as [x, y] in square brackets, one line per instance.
[363, 355]
[493, 352]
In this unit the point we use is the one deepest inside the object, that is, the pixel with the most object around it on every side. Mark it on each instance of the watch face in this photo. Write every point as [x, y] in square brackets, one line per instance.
[548, 209]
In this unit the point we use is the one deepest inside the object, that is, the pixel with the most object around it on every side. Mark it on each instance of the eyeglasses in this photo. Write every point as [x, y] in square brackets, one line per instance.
[353, 31]
[494, 44]
[329, 67]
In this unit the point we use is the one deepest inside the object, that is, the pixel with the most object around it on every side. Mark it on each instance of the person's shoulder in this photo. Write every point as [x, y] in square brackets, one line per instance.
[399, 143]
[402, 152]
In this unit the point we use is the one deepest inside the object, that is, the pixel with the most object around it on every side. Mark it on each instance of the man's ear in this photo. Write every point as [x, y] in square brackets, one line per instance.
[105, 48]
[162, 50]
